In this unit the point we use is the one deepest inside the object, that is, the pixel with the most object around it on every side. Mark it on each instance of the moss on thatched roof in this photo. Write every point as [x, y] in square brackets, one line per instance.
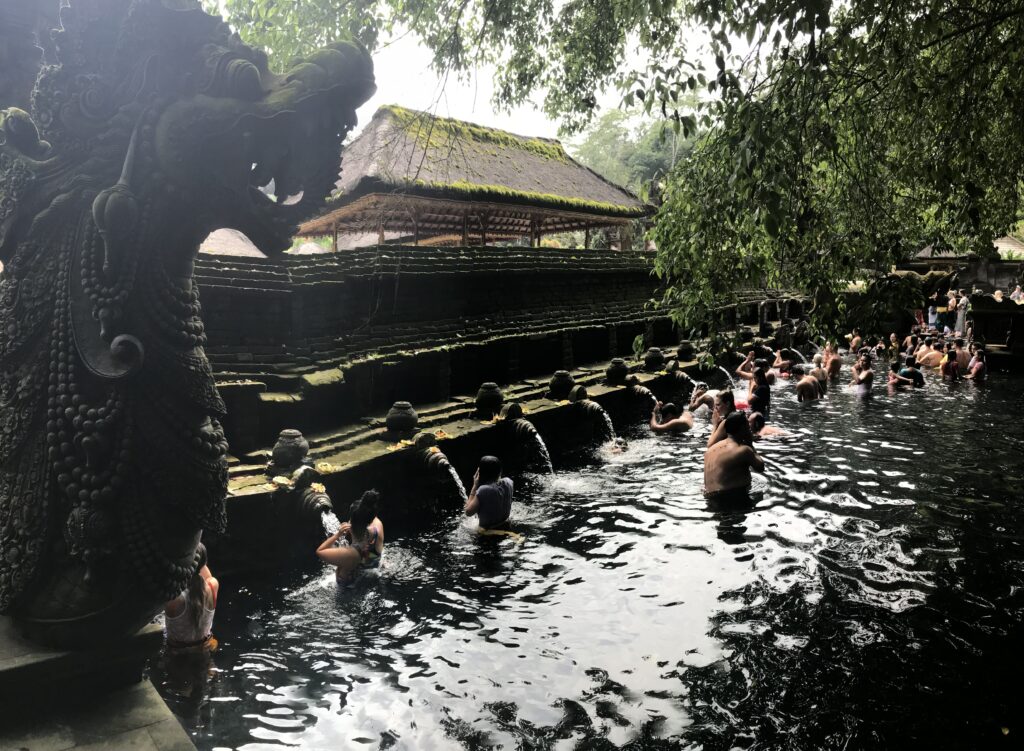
[407, 152]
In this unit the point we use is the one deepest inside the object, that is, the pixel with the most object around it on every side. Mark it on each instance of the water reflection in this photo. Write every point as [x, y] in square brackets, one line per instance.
[871, 595]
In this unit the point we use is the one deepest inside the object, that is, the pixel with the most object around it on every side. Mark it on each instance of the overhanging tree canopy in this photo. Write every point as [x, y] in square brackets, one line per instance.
[843, 137]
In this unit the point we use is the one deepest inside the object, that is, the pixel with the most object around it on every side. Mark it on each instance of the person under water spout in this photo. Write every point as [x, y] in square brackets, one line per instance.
[668, 418]
[359, 543]
[491, 497]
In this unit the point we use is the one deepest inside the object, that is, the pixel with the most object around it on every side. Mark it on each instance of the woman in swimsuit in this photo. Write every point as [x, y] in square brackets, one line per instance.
[359, 543]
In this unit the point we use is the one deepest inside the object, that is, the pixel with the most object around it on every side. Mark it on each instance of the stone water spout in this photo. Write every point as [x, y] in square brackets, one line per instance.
[153, 126]
[533, 452]
[438, 470]
[299, 499]
[594, 414]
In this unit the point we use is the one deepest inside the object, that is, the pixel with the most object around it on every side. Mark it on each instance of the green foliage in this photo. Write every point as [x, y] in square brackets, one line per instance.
[836, 138]
[636, 157]
[638, 346]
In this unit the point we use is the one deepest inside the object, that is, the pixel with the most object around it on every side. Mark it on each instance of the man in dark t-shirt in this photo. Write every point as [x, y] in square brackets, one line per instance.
[911, 372]
[491, 496]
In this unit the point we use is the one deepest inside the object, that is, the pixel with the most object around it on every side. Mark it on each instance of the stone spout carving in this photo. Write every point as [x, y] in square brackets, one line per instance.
[153, 126]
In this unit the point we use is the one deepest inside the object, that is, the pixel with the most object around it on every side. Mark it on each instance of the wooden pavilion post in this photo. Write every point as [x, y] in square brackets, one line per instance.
[483, 217]
[380, 228]
[586, 236]
[465, 228]
[334, 239]
[534, 232]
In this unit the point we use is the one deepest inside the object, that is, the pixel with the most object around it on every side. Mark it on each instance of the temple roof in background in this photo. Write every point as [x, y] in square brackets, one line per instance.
[412, 171]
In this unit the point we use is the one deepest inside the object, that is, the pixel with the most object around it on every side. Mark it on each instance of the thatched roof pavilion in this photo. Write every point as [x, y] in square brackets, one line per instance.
[444, 181]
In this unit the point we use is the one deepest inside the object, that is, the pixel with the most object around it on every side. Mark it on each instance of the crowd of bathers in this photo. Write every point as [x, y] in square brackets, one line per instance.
[735, 425]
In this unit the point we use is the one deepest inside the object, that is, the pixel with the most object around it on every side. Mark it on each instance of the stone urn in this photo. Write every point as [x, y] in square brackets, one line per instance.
[746, 334]
[289, 451]
[560, 385]
[616, 372]
[672, 366]
[512, 411]
[489, 400]
[654, 359]
[401, 418]
[578, 393]
[685, 352]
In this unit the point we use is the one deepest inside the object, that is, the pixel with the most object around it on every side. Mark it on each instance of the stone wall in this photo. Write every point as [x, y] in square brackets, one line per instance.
[316, 341]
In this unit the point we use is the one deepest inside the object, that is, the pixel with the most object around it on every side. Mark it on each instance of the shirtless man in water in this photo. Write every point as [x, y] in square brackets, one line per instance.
[759, 429]
[831, 361]
[729, 459]
[667, 418]
[702, 397]
[808, 389]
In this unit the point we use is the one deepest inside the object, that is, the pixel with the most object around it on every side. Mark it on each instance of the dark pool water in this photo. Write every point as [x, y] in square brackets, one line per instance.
[871, 599]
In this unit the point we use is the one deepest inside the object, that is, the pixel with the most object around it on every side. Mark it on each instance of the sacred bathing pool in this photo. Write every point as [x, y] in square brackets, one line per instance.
[221, 327]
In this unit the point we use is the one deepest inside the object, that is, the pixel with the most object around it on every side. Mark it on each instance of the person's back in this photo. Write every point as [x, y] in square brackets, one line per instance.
[491, 496]
[807, 386]
[910, 371]
[963, 359]
[727, 463]
[188, 618]
[931, 357]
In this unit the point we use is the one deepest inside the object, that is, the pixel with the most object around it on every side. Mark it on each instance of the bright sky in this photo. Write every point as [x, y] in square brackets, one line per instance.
[404, 77]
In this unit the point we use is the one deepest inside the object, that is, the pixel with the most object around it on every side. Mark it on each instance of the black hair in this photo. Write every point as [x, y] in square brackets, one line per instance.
[929, 341]
[196, 591]
[490, 469]
[797, 370]
[757, 418]
[895, 367]
[867, 357]
[670, 411]
[980, 354]
[735, 423]
[911, 361]
[761, 376]
[958, 342]
[760, 362]
[363, 511]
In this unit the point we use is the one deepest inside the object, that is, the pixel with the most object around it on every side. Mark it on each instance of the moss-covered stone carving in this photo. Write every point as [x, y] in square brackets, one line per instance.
[153, 126]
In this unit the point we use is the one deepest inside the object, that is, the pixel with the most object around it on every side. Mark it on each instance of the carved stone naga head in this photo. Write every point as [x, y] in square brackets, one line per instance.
[152, 126]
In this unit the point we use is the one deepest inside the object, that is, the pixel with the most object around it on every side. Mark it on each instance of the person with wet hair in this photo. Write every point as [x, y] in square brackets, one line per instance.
[979, 367]
[725, 405]
[760, 429]
[855, 340]
[702, 396]
[910, 372]
[963, 359]
[930, 357]
[759, 393]
[729, 459]
[819, 372]
[490, 498]
[807, 387]
[949, 367]
[358, 543]
[188, 618]
[668, 418]
[863, 375]
[895, 379]
[831, 361]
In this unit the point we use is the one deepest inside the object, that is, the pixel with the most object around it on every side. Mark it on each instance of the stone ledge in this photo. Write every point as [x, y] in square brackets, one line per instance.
[132, 718]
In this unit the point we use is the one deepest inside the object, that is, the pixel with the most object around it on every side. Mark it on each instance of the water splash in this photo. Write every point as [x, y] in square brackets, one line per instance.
[799, 354]
[542, 453]
[608, 431]
[330, 521]
[457, 485]
[728, 378]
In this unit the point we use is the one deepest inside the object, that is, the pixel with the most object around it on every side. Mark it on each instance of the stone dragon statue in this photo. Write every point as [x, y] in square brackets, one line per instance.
[152, 125]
